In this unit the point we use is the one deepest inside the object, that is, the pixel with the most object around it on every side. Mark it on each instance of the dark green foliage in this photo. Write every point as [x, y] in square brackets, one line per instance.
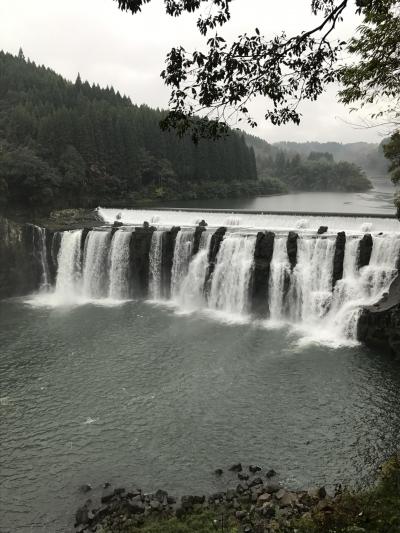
[316, 173]
[69, 144]
[222, 76]
[310, 171]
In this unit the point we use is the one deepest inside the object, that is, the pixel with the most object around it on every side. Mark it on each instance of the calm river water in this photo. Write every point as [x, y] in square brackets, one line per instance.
[377, 201]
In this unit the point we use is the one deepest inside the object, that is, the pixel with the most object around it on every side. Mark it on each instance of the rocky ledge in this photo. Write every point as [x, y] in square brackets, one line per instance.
[258, 499]
[379, 324]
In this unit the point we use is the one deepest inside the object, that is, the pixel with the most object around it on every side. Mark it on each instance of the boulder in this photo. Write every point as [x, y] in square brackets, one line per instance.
[243, 477]
[322, 229]
[253, 469]
[272, 486]
[218, 472]
[237, 467]
[85, 488]
[255, 481]
[271, 473]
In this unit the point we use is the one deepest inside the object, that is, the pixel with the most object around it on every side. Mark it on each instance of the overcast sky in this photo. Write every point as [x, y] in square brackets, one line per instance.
[113, 48]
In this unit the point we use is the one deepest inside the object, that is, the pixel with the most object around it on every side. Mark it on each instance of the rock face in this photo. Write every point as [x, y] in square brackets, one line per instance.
[291, 246]
[196, 239]
[379, 324]
[215, 245]
[139, 249]
[168, 246]
[19, 268]
[261, 270]
[365, 250]
[338, 259]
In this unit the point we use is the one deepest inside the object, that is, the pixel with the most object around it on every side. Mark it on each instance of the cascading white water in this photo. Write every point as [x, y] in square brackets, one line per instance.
[279, 273]
[231, 277]
[310, 291]
[40, 247]
[119, 265]
[180, 265]
[310, 302]
[95, 267]
[69, 266]
[155, 266]
[191, 291]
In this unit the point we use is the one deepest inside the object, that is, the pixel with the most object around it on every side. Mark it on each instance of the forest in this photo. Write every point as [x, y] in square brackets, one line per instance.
[70, 144]
[313, 167]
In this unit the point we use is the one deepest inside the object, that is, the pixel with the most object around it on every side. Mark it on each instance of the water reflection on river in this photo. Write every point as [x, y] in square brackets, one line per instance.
[378, 200]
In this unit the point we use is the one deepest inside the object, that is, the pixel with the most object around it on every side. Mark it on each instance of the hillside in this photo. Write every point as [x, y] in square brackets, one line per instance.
[368, 156]
[307, 170]
[75, 144]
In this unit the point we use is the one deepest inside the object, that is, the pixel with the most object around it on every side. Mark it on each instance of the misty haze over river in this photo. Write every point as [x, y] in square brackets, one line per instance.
[97, 386]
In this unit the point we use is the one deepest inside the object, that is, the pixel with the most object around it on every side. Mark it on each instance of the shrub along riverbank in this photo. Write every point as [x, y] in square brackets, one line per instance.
[258, 504]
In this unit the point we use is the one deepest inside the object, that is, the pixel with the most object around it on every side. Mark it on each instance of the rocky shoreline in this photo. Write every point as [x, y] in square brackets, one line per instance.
[258, 503]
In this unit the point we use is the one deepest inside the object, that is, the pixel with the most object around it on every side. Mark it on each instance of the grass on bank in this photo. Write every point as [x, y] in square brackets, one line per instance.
[374, 510]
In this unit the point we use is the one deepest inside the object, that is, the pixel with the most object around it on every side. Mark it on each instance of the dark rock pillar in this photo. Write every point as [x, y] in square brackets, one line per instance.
[139, 248]
[260, 279]
[338, 258]
[291, 246]
[168, 247]
[215, 245]
[365, 250]
[196, 239]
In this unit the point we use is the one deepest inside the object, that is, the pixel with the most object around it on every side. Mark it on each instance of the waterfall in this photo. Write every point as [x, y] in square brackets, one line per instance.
[155, 265]
[191, 291]
[69, 265]
[279, 275]
[95, 264]
[119, 265]
[182, 253]
[305, 297]
[40, 251]
[310, 291]
[230, 280]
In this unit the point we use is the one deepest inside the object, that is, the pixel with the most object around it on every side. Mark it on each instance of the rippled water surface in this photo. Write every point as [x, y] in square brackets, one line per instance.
[137, 395]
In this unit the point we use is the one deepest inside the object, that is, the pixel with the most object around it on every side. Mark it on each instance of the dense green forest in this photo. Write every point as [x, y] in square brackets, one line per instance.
[69, 144]
[368, 156]
[308, 170]
[74, 144]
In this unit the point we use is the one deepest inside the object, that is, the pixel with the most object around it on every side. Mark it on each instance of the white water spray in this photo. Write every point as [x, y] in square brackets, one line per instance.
[155, 265]
[119, 265]
[231, 277]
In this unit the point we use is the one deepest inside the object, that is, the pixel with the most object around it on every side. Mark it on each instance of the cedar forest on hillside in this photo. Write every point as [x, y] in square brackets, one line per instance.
[72, 144]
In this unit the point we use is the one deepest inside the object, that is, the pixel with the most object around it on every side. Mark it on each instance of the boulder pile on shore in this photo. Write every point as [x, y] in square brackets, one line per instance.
[257, 497]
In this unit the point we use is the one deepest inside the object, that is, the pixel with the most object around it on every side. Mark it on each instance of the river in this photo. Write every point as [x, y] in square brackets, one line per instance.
[97, 385]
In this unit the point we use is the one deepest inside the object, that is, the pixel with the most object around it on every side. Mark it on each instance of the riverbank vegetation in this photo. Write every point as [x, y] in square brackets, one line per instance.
[65, 144]
[264, 509]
